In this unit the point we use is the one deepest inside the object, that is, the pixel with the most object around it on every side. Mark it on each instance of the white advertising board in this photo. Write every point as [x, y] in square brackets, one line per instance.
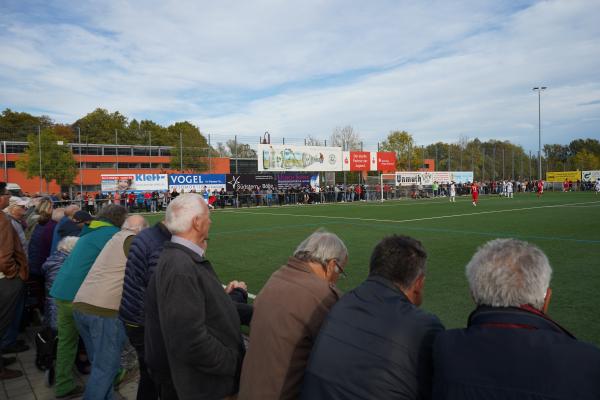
[280, 158]
[409, 178]
[134, 182]
[590, 176]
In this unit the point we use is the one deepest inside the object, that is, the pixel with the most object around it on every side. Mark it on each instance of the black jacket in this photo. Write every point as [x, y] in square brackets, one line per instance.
[192, 331]
[514, 353]
[374, 344]
[144, 253]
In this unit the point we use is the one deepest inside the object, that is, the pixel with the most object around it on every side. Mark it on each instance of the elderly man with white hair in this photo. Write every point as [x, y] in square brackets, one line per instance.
[511, 349]
[193, 342]
[288, 313]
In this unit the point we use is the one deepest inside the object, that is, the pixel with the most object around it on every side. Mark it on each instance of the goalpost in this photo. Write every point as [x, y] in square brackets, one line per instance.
[381, 187]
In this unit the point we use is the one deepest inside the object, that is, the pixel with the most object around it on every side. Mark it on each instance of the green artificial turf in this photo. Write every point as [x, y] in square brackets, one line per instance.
[249, 244]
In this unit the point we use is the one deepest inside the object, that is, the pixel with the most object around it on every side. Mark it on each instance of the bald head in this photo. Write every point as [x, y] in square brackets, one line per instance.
[70, 210]
[135, 223]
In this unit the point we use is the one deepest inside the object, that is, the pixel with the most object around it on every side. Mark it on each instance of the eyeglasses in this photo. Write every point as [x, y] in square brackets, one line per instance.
[339, 267]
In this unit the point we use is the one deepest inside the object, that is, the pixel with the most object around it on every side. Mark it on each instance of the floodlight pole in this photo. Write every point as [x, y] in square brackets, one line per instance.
[117, 148]
[40, 154]
[80, 164]
[539, 90]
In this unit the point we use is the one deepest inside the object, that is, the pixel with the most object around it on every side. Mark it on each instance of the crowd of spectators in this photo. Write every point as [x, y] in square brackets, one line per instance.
[110, 281]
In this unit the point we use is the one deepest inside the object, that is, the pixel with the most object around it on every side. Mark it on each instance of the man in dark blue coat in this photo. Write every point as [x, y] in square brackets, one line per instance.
[144, 252]
[376, 342]
[511, 349]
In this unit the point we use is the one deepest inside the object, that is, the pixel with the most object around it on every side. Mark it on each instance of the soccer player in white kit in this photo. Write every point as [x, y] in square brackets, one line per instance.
[452, 193]
[598, 186]
[509, 189]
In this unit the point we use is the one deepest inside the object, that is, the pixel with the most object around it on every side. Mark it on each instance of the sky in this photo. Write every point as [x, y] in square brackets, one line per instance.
[441, 70]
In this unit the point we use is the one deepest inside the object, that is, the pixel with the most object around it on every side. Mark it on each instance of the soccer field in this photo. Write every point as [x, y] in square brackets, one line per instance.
[249, 244]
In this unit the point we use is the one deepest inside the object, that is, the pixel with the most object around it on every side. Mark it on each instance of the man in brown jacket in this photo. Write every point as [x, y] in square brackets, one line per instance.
[13, 273]
[288, 313]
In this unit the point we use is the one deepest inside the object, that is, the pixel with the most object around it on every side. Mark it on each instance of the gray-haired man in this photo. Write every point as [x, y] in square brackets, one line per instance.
[511, 349]
[192, 338]
[288, 313]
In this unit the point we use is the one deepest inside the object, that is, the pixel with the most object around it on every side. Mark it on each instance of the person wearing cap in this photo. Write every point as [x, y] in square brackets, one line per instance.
[13, 274]
[16, 212]
[82, 219]
[64, 227]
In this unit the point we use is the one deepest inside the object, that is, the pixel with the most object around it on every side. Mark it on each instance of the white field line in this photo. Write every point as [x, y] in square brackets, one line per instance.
[412, 219]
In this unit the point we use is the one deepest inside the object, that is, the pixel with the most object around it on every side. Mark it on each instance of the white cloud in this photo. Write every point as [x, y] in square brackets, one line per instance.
[438, 70]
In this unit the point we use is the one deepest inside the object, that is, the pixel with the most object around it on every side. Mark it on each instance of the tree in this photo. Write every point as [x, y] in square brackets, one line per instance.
[585, 160]
[240, 150]
[312, 141]
[17, 125]
[64, 131]
[57, 160]
[100, 126]
[192, 149]
[346, 138]
[221, 150]
[401, 143]
[591, 145]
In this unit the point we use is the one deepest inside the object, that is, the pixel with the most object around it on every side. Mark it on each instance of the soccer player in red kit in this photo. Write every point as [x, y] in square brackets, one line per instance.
[475, 193]
[540, 188]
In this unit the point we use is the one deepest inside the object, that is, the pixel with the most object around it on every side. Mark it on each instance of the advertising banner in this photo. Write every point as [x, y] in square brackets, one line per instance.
[276, 158]
[250, 181]
[442, 176]
[134, 182]
[386, 161]
[461, 176]
[407, 178]
[360, 161]
[197, 182]
[590, 176]
[286, 181]
[562, 175]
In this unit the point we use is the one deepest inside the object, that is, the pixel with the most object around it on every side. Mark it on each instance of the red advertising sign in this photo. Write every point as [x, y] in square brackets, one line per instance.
[386, 161]
[359, 161]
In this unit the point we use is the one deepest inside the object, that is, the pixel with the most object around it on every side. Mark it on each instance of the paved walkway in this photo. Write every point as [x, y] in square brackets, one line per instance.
[31, 385]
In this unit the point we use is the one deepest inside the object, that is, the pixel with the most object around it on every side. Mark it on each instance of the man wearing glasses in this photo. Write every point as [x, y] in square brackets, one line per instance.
[288, 313]
[13, 273]
[376, 342]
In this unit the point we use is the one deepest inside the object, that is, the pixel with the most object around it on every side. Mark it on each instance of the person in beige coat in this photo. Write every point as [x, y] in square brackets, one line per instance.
[288, 313]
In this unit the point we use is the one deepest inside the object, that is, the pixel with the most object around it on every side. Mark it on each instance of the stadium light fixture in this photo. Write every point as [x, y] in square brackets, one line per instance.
[539, 89]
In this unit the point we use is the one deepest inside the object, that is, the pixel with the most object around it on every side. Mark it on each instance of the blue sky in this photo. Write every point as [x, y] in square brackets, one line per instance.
[440, 70]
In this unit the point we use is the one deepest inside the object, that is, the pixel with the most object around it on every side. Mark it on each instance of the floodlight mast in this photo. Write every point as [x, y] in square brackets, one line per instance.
[539, 89]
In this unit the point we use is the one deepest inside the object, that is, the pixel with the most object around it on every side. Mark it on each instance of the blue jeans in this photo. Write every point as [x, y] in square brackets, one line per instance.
[104, 338]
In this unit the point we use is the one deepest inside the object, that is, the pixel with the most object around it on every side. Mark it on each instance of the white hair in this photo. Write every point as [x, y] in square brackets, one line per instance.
[321, 247]
[182, 210]
[57, 214]
[67, 244]
[509, 273]
[135, 223]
